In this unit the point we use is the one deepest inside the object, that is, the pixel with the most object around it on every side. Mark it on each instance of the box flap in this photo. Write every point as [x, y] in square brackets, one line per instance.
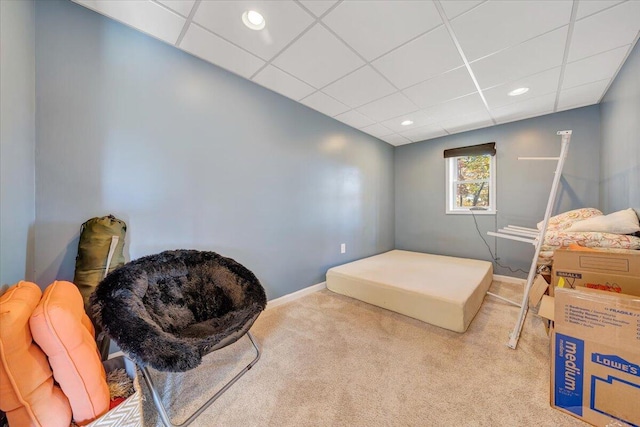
[538, 289]
[547, 307]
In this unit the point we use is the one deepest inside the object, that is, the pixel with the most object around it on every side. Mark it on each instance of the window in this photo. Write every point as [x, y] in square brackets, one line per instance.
[470, 181]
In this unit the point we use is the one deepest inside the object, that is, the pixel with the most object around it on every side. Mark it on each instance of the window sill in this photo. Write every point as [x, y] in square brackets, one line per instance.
[469, 212]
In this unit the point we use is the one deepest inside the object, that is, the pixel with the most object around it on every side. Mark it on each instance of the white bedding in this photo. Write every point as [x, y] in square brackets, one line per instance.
[440, 290]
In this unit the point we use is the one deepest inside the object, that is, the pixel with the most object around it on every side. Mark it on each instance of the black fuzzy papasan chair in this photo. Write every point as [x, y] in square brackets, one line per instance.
[168, 310]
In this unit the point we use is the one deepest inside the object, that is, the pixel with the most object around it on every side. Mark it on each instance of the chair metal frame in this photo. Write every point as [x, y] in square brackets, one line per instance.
[157, 399]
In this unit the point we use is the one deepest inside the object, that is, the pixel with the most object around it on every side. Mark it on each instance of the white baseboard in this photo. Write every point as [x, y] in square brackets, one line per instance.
[295, 295]
[509, 279]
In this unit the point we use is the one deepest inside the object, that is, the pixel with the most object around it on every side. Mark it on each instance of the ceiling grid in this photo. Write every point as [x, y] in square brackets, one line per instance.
[629, 49]
[447, 24]
[188, 22]
[316, 20]
[406, 71]
[567, 46]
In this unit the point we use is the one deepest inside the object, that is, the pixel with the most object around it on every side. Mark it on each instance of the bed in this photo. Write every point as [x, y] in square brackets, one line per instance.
[441, 290]
[618, 230]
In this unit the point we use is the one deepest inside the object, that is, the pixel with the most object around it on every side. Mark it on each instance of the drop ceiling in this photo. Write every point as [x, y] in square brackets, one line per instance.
[447, 65]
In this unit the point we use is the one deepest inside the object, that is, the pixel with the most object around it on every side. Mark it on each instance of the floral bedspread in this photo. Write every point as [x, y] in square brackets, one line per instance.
[556, 239]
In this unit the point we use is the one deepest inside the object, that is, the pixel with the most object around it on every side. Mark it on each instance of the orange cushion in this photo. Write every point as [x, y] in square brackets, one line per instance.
[62, 329]
[27, 393]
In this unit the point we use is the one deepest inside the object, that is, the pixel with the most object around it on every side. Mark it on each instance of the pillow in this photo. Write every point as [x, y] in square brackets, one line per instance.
[27, 392]
[63, 330]
[638, 214]
[621, 222]
[566, 219]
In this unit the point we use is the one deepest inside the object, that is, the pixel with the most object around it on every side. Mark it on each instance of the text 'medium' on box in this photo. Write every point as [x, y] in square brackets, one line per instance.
[595, 362]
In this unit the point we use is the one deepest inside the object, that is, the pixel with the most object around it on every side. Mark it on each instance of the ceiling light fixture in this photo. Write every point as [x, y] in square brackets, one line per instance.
[519, 91]
[407, 123]
[253, 20]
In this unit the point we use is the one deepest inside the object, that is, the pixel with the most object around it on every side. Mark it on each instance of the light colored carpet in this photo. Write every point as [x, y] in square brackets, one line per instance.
[329, 360]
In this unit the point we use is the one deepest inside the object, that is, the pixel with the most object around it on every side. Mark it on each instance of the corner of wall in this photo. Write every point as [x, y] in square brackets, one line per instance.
[620, 127]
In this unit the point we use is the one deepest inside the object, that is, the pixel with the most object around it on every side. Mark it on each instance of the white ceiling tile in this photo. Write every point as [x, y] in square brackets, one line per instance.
[377, 130]
[594, 68]
[388, 107]
[531, 57]
[589, 7]
[582, 95]
[466, 122]
[538, 84]
[281, 82]
[495, 25]
[212, 48]
[146, 16]
[421, 59]
[424, 132]
[318, 7]
[395, 139]
[453, 8]
[419, 118]
[359, 87]
[606, 30]
[375, 27]
[523, 116]
[527, 108]
[354, 119]
[284, 22]
[183, 7]
[468, 104]
[325, 104]
[442, 88]
[318, 58]
[470, 126]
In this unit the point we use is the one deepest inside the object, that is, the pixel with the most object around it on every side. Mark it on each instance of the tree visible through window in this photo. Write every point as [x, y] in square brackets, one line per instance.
[470, 183]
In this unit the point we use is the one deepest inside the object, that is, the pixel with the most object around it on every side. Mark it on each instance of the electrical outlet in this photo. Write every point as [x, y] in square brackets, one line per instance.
[343, 248]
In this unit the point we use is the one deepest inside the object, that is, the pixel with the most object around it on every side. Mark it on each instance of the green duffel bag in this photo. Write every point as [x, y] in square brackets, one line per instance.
[101, 245]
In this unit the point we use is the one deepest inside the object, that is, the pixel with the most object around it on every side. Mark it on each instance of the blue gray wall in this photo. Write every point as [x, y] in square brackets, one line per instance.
[191, 156]
[522, 186]
[620, 150]
[17, 140]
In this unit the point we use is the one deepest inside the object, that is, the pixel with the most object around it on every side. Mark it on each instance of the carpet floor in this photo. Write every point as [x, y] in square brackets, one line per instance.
[329, 360]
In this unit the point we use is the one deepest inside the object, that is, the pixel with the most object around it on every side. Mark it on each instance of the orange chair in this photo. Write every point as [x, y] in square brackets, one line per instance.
[27, 392]
[64, 332]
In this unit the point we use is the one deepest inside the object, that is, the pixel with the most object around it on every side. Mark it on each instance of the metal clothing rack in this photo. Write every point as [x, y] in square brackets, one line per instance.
[534, 236]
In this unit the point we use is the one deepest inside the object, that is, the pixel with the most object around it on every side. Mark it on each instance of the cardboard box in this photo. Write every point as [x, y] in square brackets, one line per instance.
[547, 307]
[546, 311]
[595, 357]
[614, 270]
[538, 289]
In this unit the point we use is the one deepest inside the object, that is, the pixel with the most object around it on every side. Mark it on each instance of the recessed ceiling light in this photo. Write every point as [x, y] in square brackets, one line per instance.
[519, 91]
[253, 20]
[407, 123]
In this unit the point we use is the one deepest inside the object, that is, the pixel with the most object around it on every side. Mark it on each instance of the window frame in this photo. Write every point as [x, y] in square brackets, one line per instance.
[450, 183]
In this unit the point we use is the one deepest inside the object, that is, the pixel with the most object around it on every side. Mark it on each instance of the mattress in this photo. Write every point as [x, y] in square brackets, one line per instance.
[441, 290]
